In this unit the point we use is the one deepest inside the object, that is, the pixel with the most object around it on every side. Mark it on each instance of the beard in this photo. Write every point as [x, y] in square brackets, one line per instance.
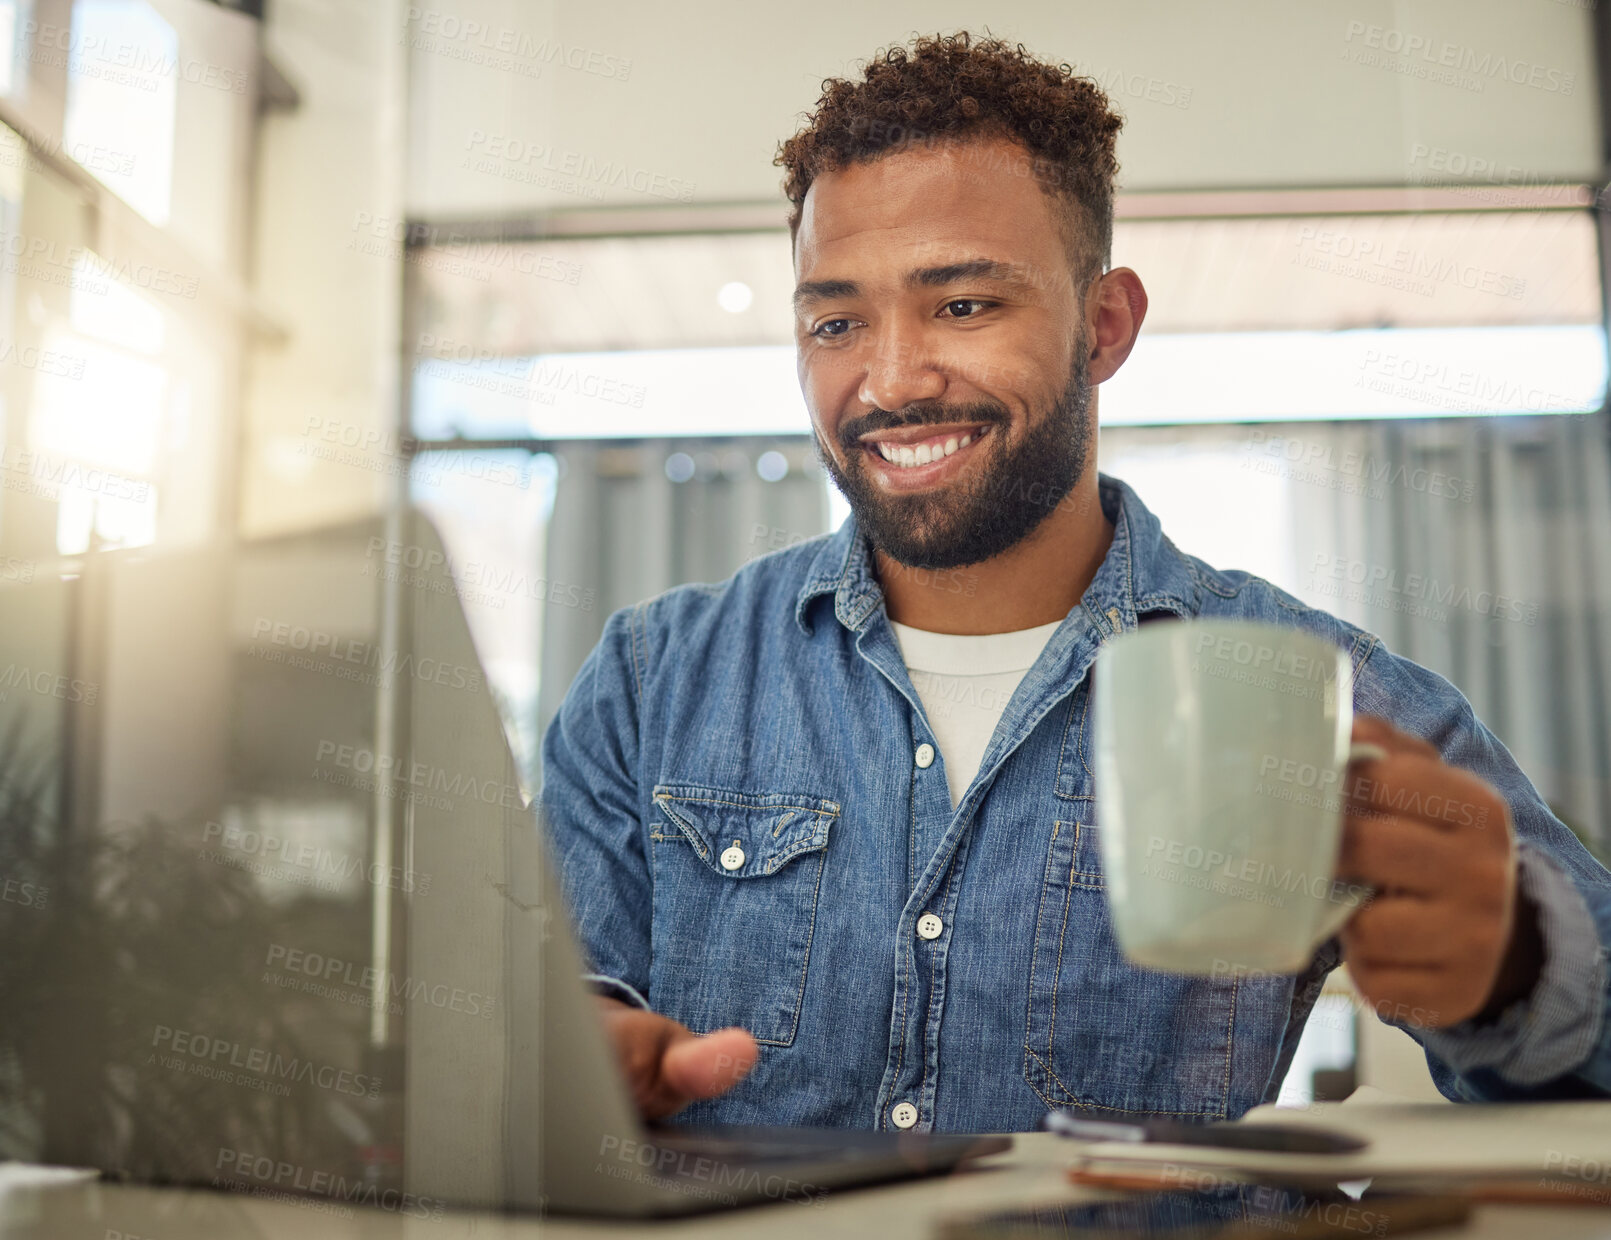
[1012, 488]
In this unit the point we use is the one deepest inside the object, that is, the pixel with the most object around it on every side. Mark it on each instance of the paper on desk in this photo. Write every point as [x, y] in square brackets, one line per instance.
[1565, 1140]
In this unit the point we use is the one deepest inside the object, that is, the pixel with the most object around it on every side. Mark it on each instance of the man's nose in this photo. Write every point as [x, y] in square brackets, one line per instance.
[899, 373]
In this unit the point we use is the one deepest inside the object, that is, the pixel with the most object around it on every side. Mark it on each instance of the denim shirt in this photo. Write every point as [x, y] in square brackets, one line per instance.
[746, 839]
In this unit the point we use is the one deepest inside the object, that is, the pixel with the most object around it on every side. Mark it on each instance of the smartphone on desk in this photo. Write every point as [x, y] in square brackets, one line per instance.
[1231, 1212]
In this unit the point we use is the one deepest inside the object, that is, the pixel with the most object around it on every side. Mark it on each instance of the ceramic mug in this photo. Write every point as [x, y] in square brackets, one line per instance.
[1221, 751]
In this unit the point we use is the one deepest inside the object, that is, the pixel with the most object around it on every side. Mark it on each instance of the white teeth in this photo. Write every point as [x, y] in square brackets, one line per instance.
[923, 453]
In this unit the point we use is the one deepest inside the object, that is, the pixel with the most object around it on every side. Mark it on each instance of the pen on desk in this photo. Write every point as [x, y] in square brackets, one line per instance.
[1266, 1138]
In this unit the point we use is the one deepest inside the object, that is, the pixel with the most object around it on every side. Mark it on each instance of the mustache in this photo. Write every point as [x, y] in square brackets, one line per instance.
[919, 415]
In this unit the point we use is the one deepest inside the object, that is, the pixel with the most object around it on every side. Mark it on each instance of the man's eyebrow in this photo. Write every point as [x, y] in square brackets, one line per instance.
[922, 277]
[824, 290]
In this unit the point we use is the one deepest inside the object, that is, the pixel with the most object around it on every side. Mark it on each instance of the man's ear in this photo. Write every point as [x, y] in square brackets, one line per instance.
[1115, 306]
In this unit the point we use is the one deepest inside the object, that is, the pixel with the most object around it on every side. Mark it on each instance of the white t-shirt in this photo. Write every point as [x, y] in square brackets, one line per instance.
[965, 684]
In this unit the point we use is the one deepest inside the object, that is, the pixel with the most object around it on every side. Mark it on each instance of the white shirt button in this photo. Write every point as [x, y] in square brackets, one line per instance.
[733, 858]
[929, 926]
[925, 755]
[903, 1115]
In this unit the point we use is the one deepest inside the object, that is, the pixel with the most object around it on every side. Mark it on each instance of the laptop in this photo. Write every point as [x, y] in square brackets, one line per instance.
[278, 916]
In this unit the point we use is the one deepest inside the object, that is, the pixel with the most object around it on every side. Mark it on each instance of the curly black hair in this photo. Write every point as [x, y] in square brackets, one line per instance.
[955, 87]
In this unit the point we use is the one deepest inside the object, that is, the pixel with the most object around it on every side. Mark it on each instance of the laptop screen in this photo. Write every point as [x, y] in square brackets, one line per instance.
[271, 893]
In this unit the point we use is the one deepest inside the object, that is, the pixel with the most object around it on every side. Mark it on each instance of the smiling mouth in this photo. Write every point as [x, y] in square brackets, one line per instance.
[925, 451]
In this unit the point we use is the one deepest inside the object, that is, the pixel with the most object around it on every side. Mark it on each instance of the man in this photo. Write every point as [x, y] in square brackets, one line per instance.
[820, 885]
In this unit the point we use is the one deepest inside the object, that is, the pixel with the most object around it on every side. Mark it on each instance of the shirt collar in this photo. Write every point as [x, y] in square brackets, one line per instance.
[1142, 571]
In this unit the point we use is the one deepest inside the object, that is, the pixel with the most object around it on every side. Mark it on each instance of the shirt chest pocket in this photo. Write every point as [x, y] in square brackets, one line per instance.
[1103, 1033]
[736, 881]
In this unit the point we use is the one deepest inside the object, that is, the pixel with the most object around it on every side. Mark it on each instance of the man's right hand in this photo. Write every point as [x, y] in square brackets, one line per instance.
[666, 1065]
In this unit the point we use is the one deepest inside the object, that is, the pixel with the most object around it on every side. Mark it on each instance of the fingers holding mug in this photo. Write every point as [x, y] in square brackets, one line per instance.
[1435, 842]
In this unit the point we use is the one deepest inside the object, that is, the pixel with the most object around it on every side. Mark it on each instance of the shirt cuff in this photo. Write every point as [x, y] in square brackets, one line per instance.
[1555, 1028]
[615, 988]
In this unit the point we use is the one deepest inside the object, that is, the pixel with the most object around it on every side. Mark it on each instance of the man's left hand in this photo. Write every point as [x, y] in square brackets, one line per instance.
[1443, 939]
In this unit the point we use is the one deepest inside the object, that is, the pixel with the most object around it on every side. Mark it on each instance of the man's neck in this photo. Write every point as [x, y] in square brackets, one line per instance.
[1038, 581]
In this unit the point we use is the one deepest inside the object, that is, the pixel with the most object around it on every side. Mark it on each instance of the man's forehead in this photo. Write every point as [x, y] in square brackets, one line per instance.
[962, 194]
[919, 208]
[893, 190]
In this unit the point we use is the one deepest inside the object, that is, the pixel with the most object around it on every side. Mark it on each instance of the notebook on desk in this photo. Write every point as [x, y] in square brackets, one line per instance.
[277, 913]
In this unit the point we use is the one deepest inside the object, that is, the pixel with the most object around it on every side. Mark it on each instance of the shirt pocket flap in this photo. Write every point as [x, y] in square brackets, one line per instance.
[760, 832]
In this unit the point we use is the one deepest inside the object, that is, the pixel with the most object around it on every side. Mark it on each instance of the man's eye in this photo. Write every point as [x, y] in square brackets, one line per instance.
[967, 301]
[821, 329]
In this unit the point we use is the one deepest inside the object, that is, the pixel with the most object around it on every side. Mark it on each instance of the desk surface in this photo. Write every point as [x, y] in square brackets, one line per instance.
[1032, 1173]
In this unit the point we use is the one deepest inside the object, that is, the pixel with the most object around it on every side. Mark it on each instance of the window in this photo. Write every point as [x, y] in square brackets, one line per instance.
[1480, 307]
[120, 101]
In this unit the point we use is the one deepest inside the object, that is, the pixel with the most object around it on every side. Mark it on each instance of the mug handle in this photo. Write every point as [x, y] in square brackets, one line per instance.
[1338, 917]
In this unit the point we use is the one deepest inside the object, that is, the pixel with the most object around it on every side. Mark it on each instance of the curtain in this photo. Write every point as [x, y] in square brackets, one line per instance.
[631, 521]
